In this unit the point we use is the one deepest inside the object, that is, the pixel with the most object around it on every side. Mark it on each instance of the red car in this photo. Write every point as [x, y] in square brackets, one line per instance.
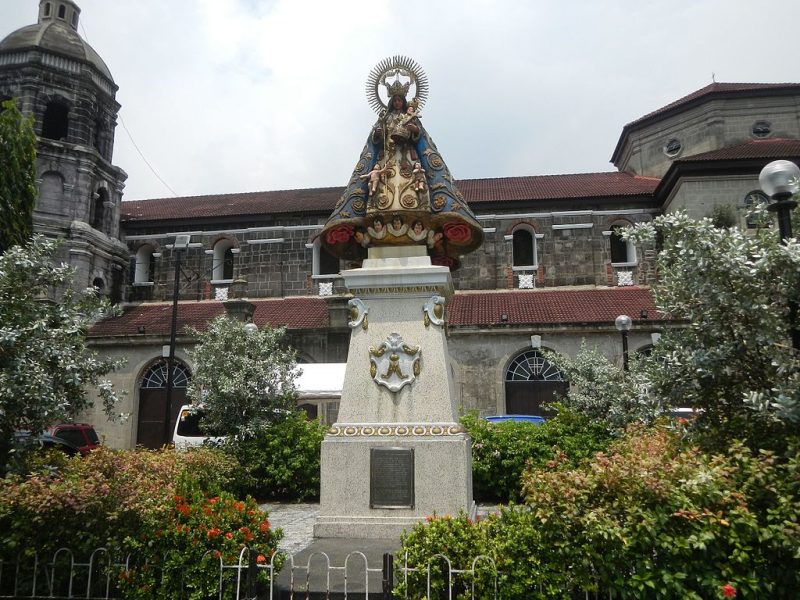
[80, 435]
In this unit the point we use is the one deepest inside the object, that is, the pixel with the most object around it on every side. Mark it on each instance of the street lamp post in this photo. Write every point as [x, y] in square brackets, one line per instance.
[181, 243]
[780, 180]
[623, 324]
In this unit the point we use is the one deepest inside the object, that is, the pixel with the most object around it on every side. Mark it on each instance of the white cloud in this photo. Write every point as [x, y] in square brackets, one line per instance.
[244, 95]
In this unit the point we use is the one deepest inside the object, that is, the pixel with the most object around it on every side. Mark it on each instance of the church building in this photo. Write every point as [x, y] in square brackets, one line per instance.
[552, 272]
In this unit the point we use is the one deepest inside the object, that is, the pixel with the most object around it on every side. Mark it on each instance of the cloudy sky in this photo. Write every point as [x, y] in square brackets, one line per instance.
[247, 95]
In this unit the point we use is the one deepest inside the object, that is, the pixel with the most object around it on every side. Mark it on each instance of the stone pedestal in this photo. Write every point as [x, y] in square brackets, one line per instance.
[398, 338]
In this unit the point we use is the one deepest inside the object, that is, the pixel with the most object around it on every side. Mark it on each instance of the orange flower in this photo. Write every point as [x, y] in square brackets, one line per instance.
[239, 506]
[183, 509]
[213, 532]
[728, 591]
[229, 536]
[217, 553]
[264, 527]
[261, 559]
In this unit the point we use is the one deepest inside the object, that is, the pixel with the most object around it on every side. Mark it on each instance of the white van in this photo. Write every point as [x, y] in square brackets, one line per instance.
[187, 432]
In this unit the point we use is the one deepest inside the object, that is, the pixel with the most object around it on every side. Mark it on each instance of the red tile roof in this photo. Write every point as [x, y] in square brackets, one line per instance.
[553, 187]
[771, 148]
[297, 312]
[222, 205]
[596, 305]
[476, 191]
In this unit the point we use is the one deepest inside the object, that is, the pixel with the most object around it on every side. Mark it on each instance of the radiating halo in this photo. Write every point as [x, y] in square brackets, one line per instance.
[397, 64]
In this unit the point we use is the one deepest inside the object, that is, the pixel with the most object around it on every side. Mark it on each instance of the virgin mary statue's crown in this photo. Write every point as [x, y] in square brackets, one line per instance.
[397, 88]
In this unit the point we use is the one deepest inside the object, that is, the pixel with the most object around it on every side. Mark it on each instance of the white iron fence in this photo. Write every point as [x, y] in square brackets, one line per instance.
[60, 575]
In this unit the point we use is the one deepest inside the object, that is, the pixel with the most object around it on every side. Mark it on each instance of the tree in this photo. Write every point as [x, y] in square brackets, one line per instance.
[602, 391]
[733, 359]
[17, 176]
[729, 356]
[45, 363]
[244, 378]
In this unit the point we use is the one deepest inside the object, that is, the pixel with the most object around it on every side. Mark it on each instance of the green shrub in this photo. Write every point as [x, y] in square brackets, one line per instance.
[100, 499]
[458, 538]
[282, 461]
[652, 518]
[164, 508]
[500, 451]
[656, 519]
[180, 553]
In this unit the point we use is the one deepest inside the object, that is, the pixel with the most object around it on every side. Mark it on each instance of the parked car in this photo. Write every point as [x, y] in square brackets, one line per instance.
[24, 439]
[518, 418]
[80, 435]
[187, 433]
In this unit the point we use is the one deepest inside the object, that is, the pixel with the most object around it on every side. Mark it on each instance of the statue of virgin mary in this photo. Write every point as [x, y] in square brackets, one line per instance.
[401, 191]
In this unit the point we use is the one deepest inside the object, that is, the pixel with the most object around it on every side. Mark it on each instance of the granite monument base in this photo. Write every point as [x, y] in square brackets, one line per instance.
[365, 499]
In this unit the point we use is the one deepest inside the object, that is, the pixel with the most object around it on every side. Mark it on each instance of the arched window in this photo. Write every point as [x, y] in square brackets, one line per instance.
[98, 283]
[62, 11]
[524, 247]
[145, 264]
[156, 376]
[99, 209]
[55, 123]
[622, 251]
[46, 9]
[532, 366]
[222, 268]
[532, 381]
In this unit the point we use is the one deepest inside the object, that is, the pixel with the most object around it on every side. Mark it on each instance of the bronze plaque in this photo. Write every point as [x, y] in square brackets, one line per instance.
[391, 478]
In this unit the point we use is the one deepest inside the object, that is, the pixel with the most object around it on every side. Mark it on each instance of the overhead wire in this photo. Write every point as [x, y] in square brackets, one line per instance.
[130, 136]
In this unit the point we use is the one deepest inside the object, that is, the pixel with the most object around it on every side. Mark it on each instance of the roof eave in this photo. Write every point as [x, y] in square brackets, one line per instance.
[723, 167]
[655, 116]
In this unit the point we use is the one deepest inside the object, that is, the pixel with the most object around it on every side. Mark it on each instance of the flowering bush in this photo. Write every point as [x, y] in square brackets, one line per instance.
[100, 499]
[180, 553]
[500, 451]
[651, 518]
[164, 508]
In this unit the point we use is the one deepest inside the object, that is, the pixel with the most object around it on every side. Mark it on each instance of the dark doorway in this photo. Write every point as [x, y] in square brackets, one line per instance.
[531, 382]
[528, 397]
[152, 400]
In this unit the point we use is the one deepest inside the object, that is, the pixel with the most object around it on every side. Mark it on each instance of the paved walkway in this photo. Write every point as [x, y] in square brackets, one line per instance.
[297, 522]
[359, 559]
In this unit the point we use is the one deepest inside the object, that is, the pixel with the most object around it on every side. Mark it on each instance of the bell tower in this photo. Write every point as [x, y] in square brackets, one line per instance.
[59, 80]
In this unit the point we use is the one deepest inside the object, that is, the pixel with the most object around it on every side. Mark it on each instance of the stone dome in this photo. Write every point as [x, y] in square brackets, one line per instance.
[56, 32]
